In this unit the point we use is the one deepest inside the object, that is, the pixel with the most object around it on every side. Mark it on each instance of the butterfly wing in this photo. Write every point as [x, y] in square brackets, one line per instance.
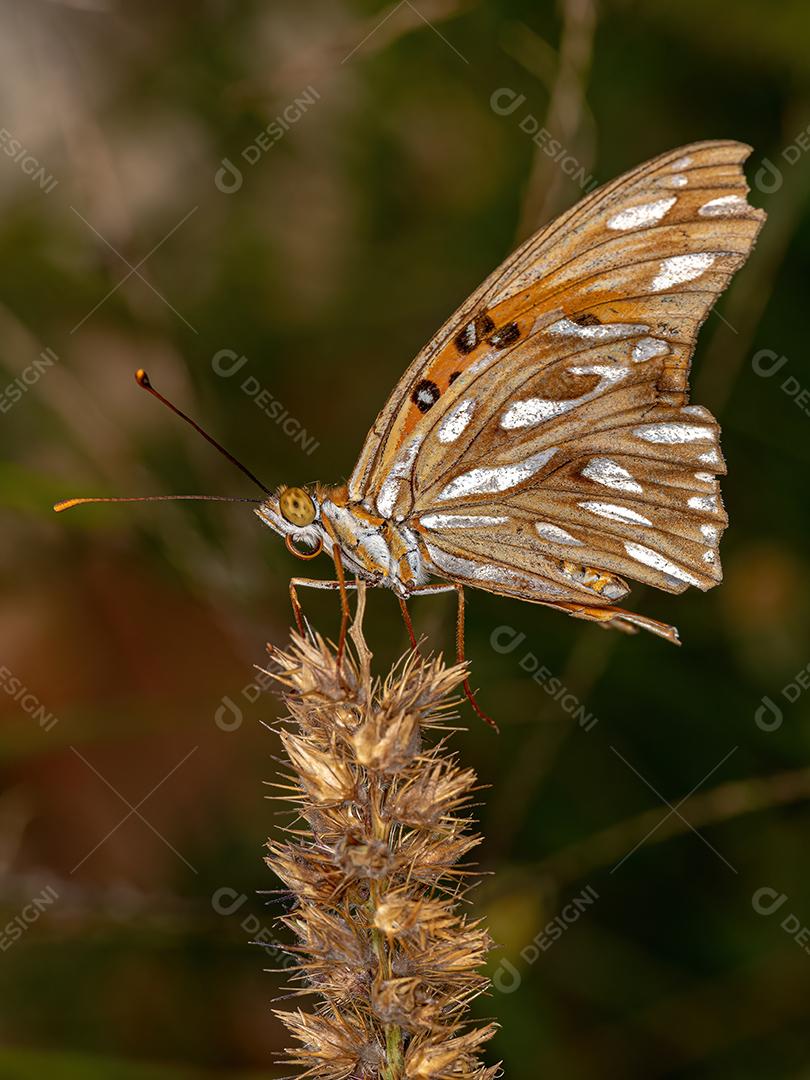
[660, 242]
[541, 444]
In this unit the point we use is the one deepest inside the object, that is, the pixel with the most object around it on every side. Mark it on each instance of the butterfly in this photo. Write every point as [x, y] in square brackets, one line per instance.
[542, 445]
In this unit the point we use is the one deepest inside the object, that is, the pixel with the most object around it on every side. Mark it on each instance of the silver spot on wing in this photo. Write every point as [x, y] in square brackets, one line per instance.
[615, 513]
[472, 570]
[488, 481]
[455, 423]
[533, 411]
[389, 489]
[647, 348]
[673, 433]
[460, 521]
[658, 562]
[635, 217]
[555, 533]
[603, 332]
[726, 206]
[680, 268]
[704, 502]
[610, 474]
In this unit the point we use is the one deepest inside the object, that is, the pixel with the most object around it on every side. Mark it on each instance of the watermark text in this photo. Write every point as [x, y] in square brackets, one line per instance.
[228, 363]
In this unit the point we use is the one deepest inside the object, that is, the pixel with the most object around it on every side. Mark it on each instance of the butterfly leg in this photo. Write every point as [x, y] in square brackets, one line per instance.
[461, 659]
[422, 590]
[432, 590]
[345, 613]
[311, 583]
[406, 617]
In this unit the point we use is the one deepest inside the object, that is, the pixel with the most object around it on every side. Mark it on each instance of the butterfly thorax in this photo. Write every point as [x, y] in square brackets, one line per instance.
[376, 549]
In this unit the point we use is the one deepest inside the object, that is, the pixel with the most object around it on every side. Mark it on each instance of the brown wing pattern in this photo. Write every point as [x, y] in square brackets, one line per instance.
[644, 257]
[607, 484]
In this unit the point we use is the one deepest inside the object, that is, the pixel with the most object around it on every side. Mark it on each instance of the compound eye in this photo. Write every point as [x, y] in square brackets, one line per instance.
[297, 507]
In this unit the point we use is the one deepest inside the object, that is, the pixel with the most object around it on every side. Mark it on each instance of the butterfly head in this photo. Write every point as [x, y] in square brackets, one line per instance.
[295, 514]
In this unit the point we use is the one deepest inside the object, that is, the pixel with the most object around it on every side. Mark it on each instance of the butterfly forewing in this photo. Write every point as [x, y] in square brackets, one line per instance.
[610, 258]
[541, 443]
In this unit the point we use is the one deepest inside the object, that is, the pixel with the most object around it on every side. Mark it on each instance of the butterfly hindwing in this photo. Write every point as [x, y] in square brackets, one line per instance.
[605, 478]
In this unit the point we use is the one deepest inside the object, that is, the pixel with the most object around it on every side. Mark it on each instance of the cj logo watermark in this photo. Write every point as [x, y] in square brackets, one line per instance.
[769, 715]
[505, 639]
[766, 363]
[767, 902]
[770, 176]
[229, 177]
[229, 713]
[227, 902]
[506, 102]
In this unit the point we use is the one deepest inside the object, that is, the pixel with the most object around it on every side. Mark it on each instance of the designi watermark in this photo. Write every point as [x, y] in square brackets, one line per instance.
[29, 164]
[228, 363]
[506, 639]
[507, 977]
[769, 716]
[28, 701]
[229, 176]
[14, 391]
[22, 923]
[506, 102]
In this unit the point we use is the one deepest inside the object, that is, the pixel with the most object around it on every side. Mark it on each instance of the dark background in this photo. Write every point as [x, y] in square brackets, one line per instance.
[133, 812]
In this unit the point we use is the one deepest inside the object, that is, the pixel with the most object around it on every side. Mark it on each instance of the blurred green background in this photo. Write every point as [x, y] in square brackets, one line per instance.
[133, 811]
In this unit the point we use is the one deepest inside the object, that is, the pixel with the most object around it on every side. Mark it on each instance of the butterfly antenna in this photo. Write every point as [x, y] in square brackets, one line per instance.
[142, 379]
[68, 504]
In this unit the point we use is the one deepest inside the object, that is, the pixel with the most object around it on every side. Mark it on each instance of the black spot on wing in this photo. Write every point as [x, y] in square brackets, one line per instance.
[474, 333]
[507, 335]
[587, 320]
[466, 340]
[425, 395]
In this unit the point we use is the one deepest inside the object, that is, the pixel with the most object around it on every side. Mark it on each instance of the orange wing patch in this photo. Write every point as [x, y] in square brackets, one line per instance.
[487, 334]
